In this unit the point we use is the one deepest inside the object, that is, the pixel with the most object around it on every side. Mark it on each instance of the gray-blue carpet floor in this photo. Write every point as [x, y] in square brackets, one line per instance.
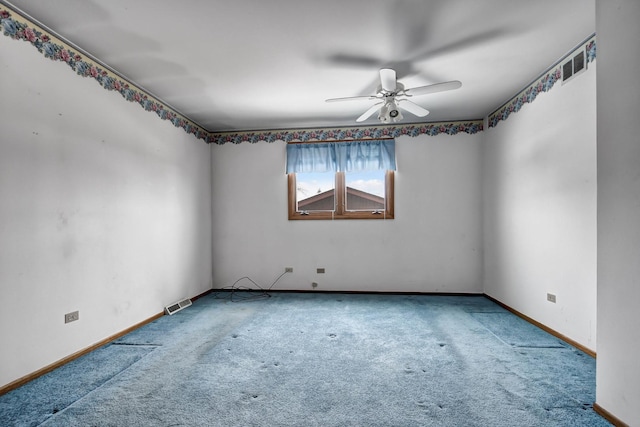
[320, 359]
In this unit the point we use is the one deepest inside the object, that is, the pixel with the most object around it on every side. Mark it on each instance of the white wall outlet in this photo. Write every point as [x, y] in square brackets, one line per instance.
[71, 317]
[551, 297]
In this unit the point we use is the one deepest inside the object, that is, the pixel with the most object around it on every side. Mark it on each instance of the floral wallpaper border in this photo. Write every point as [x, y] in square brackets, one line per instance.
[348, 133]
[18, 27]
[544, 83]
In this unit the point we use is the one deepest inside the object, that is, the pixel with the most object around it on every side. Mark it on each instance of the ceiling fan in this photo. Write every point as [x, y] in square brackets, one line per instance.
[391, 97]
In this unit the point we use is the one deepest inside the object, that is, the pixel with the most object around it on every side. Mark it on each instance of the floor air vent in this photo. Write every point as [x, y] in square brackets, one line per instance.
[174, 308]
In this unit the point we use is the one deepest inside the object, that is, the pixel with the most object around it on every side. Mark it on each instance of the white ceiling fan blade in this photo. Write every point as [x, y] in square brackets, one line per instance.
[438, 87]
[369, 112]
[412, 107]
[388, 79]
[352, 98]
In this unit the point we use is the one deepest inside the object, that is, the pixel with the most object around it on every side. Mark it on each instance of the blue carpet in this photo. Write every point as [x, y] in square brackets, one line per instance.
[42, 398]
[330, 360]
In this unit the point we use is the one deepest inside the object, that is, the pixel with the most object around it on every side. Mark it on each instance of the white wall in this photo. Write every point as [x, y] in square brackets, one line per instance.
[433, 245]
[104, 209]
[540, 209]
[618, 370]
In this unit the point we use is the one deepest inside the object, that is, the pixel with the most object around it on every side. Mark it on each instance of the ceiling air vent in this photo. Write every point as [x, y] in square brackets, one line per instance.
[174, 308]
[575, 65]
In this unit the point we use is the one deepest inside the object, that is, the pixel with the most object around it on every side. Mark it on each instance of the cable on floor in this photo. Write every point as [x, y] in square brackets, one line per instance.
[245, 293]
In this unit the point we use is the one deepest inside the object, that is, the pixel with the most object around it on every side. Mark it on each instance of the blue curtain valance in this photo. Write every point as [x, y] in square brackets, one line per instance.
[351, 156]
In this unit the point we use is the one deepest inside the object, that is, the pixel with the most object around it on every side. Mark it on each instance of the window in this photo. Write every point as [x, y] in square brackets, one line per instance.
[341, 200]
[352, 180]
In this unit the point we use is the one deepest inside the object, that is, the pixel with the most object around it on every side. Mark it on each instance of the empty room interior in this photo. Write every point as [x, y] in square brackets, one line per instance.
[154, 152]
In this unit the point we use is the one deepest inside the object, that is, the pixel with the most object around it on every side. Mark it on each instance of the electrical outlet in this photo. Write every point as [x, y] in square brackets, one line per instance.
[320, 270]
[71, 317]
[551, 298]
[288, 269]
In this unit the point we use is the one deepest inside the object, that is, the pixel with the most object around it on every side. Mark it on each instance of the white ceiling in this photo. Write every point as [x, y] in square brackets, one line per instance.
[270, 64]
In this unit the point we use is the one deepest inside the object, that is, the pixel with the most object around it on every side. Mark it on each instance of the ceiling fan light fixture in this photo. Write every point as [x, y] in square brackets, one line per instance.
[390, 112]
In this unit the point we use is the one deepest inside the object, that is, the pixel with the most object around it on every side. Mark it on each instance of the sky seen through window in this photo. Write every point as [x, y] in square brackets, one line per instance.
[310, 184]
